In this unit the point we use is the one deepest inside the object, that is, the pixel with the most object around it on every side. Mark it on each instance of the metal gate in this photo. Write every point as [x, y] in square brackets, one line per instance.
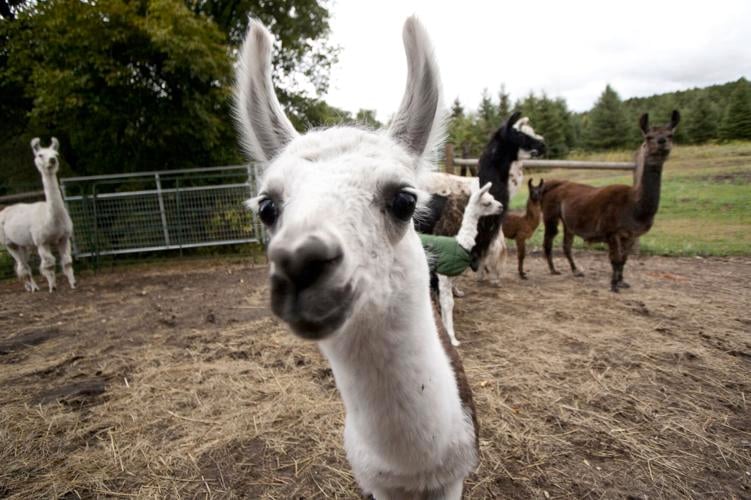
[166, 210]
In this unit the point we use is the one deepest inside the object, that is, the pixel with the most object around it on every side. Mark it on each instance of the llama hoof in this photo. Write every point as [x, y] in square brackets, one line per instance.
[523, 276]
[31, 287]
[623, 284]
[614, 288]
[555, 272]
[578, 274]
[455, 343]
[457, 292]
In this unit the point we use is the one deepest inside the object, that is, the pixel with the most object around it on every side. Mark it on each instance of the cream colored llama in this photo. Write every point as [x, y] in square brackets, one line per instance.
[480, 204]
[44, 226]
[347, 269]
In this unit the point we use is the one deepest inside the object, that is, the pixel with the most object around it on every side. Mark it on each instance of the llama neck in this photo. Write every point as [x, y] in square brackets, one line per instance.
[647, 187]
[468, 230]
[53, 196]
[396, 381]
[533, 213]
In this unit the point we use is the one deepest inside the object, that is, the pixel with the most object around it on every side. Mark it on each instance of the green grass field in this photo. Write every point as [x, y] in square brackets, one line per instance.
[705, 205]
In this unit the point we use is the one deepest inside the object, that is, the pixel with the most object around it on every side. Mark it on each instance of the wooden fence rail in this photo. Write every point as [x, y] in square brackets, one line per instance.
[471, 164]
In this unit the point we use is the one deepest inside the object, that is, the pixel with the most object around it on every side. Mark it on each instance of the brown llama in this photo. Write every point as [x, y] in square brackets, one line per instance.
[521, 227]
[616, 214]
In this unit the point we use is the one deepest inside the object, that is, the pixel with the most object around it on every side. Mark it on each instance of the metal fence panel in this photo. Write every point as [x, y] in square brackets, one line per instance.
[117, 214]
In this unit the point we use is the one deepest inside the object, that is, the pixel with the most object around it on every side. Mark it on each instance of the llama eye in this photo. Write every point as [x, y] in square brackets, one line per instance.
[267, 211]
[403, 205]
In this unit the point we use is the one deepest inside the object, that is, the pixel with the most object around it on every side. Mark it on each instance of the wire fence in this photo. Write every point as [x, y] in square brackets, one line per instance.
[167, 210]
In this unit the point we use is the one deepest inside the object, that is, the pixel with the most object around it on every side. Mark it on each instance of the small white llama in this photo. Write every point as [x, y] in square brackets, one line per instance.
[44, 226]
[347, 269]
[450, 261]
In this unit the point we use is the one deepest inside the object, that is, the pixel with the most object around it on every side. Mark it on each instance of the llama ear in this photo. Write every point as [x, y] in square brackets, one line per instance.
[55, 145]
[486, 188]
[35, 145]
[418, 124]
[513, 119]
[529, 184]
[264, 128]
[675, 119]
[540, 184]
[644, 123]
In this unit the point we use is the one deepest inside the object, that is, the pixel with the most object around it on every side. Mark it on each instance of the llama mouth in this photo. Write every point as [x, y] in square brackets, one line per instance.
[314, 313]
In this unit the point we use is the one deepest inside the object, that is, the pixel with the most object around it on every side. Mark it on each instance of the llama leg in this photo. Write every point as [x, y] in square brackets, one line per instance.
[551, 229]
[568, 242]
[521, 250]
[47, 265]
[446, 298]
[616, 262]
[66, 261]
[626, 250]
[23, 271]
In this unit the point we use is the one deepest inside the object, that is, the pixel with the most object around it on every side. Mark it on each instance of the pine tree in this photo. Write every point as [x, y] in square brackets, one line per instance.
[607, 126]
[701, 121]
[549, 122]
[457, 109]
[736, 122]
[504, 103]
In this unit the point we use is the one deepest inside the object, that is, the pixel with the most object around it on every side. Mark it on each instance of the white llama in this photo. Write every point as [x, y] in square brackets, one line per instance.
[347, 269]
[44, 226]
[450, 261]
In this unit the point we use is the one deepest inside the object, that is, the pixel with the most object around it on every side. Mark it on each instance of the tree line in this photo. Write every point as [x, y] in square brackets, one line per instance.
[715, 113]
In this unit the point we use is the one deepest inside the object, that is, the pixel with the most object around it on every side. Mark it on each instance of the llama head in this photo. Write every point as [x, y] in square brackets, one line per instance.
[482, 203]
[45, 159]
[658, 139]
[517, 137]
[524, 126]
[535, 192]
[338, 203]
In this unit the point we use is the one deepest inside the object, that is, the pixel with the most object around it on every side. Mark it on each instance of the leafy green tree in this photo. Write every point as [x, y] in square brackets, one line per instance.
[607, 127]
[736, 122]
[368, 118]
[701, 120]
[303, 55]
[144, 85]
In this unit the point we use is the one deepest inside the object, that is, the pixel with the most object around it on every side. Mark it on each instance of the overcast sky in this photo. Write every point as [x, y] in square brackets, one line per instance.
[564, 48]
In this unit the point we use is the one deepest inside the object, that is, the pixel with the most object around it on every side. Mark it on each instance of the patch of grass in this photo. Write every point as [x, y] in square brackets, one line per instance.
[705, 203]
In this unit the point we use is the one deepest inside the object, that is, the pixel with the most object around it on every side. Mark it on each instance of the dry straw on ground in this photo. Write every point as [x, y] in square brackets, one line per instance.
[176, 382]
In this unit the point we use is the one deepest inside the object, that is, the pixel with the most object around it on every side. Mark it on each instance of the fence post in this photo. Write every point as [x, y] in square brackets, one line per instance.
[161, 209]
[449, 158]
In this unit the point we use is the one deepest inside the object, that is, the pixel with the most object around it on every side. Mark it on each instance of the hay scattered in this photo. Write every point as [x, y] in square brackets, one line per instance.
[580, 393]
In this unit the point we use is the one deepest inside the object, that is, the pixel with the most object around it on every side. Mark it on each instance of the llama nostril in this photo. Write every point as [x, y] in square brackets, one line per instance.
[661, 140]
[308, 263]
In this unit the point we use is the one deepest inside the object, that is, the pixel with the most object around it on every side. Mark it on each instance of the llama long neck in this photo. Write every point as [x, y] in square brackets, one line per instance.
[533, 213]
[393, 374]
[53, 196]
[648, 185]
[495, 165]
[468, 230]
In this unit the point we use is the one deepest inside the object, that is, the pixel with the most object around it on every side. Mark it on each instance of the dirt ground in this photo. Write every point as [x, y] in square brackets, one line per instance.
[173, 380]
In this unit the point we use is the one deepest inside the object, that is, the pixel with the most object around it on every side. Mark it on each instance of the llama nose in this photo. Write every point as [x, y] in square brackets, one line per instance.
[661, 140]
[306, 262]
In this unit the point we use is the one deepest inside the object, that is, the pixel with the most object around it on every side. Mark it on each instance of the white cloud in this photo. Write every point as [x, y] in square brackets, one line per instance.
[568, 49]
